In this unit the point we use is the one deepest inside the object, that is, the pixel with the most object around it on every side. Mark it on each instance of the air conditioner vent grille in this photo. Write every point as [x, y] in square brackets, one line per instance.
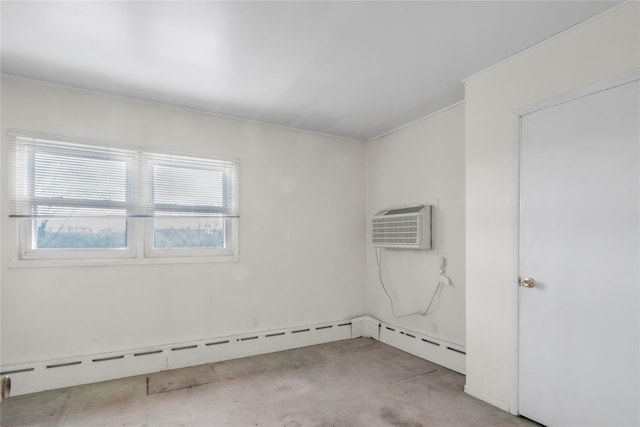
[402, 228]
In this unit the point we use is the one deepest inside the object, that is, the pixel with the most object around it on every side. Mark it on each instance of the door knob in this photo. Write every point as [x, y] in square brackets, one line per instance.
[527, 282]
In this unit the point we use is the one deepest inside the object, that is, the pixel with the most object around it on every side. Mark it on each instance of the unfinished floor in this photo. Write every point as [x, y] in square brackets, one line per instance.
[359, 382]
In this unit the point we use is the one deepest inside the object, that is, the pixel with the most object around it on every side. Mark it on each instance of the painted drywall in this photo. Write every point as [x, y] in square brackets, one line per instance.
[422, 163]
[603, 48]
[302, 229]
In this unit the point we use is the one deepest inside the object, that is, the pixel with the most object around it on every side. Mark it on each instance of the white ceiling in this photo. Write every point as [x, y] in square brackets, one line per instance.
[356, 69]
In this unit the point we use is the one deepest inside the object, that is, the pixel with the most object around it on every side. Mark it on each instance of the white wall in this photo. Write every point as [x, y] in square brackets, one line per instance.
[421, 163]
[302, 230]
[603, 48]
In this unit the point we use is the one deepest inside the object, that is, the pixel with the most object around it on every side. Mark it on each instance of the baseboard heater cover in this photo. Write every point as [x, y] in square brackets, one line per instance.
[448, 354]
[53, 374]
[59, 373]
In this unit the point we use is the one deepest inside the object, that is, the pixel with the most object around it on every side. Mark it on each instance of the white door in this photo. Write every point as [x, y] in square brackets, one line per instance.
[579, 326]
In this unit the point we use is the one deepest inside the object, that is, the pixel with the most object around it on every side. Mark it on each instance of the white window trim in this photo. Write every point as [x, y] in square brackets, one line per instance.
[99, 262]
[140, 235]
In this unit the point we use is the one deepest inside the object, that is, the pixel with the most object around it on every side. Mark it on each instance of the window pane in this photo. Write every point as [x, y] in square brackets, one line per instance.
[80, 233]
[188, 186]
[188, 232]
[60, 175]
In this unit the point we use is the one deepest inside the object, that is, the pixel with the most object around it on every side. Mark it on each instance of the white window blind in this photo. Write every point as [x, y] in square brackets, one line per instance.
[188, 186]
[51, 178]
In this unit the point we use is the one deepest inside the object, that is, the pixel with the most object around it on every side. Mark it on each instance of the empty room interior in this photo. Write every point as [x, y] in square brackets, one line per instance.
[322, 213]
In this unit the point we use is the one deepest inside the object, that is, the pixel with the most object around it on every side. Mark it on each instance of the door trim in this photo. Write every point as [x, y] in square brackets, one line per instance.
[581, 92]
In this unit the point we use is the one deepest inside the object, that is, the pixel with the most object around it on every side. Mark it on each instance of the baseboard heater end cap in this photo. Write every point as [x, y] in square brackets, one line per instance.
[365, 326]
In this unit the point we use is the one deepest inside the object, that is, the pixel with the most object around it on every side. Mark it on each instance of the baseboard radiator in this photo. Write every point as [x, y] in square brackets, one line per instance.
[53, 374]
[60, 373]
[448, 354]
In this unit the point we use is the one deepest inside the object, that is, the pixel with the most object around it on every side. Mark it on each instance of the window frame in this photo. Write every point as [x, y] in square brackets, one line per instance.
[202, 163]
[140, 215]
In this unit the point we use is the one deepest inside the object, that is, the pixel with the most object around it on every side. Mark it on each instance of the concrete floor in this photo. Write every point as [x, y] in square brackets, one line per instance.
[350, 383]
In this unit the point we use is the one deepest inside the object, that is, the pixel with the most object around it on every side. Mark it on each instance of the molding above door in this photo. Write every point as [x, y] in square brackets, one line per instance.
[581, 92]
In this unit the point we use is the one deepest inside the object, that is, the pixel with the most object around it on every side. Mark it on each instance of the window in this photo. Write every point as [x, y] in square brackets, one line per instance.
[193, 200]
[87, 201]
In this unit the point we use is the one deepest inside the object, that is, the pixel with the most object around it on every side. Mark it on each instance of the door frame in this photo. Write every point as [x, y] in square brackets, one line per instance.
[520, 112]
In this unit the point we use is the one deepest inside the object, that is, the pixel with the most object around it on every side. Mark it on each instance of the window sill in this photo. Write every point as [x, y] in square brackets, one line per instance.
[49, 263]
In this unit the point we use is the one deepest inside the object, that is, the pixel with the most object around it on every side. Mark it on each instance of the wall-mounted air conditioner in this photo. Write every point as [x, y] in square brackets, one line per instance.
[402, 228]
